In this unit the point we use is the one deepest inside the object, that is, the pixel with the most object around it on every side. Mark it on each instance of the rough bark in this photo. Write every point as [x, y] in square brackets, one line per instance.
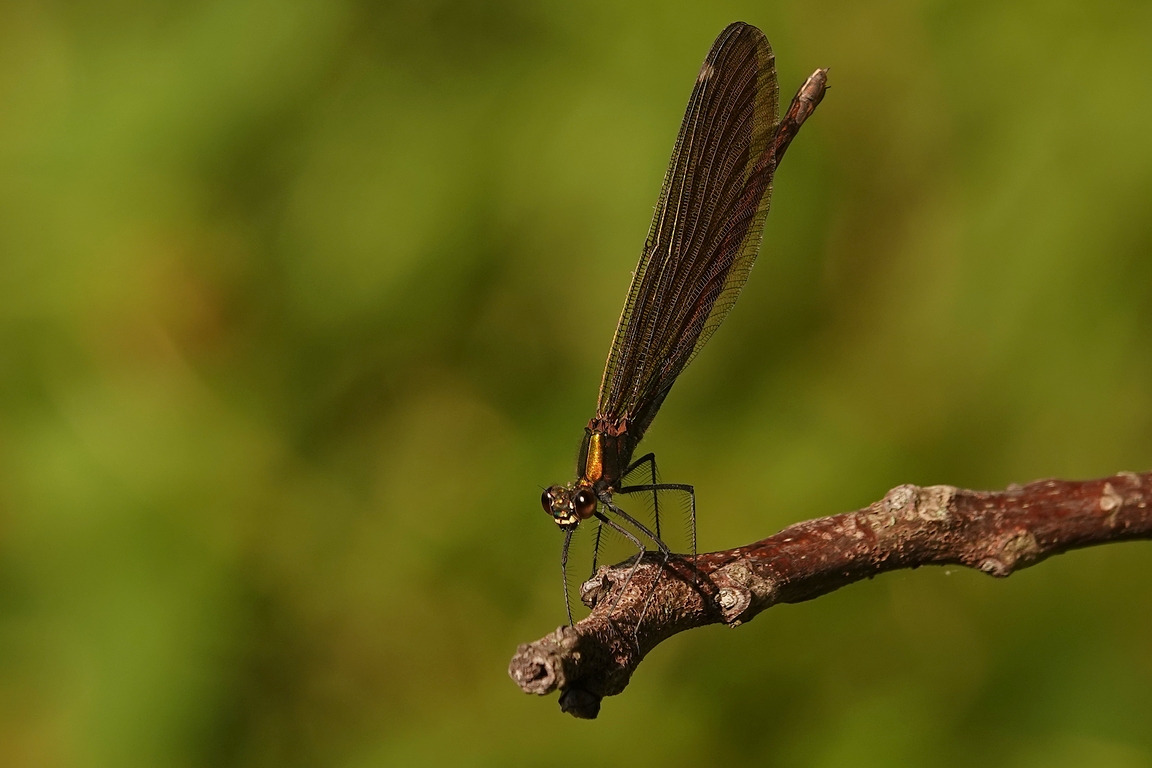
[995, 532]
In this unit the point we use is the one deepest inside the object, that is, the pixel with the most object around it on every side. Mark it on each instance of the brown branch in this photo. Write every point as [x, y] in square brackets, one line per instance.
[995, 532]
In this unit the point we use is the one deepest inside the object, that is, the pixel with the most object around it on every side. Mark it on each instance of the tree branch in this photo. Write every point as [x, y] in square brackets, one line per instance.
[995, 532]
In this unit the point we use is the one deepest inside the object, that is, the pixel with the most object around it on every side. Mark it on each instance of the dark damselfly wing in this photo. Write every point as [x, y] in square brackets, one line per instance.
[706, 230]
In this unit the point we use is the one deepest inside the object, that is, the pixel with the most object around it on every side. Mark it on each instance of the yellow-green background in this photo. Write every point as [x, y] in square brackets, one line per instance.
[302, 302]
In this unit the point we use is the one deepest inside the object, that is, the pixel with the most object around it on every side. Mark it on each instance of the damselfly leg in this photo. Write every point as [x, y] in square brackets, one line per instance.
[655, 486]
[564, 571]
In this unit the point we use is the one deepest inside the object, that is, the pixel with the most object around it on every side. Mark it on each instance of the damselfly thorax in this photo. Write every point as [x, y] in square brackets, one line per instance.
[602, 462]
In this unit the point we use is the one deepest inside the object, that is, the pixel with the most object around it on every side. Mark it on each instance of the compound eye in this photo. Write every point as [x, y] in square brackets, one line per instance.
[546, 501]
[585, 503]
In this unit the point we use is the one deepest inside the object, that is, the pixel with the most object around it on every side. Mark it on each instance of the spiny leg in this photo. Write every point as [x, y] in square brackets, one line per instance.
[564, 572]
[639, 557]
[656, 582]
[606, 500]
[651, 595]
[655, 487]
[650, 460]
[596, 547]
[664, 551]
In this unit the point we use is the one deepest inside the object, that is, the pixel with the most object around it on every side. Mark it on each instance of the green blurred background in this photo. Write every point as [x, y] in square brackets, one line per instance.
[301, 303]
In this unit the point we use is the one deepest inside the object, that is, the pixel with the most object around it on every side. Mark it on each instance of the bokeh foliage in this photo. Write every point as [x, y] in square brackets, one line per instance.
[302, 302]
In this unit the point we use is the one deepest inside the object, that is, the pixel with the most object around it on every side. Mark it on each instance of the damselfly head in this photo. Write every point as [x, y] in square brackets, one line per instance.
[568, 505]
